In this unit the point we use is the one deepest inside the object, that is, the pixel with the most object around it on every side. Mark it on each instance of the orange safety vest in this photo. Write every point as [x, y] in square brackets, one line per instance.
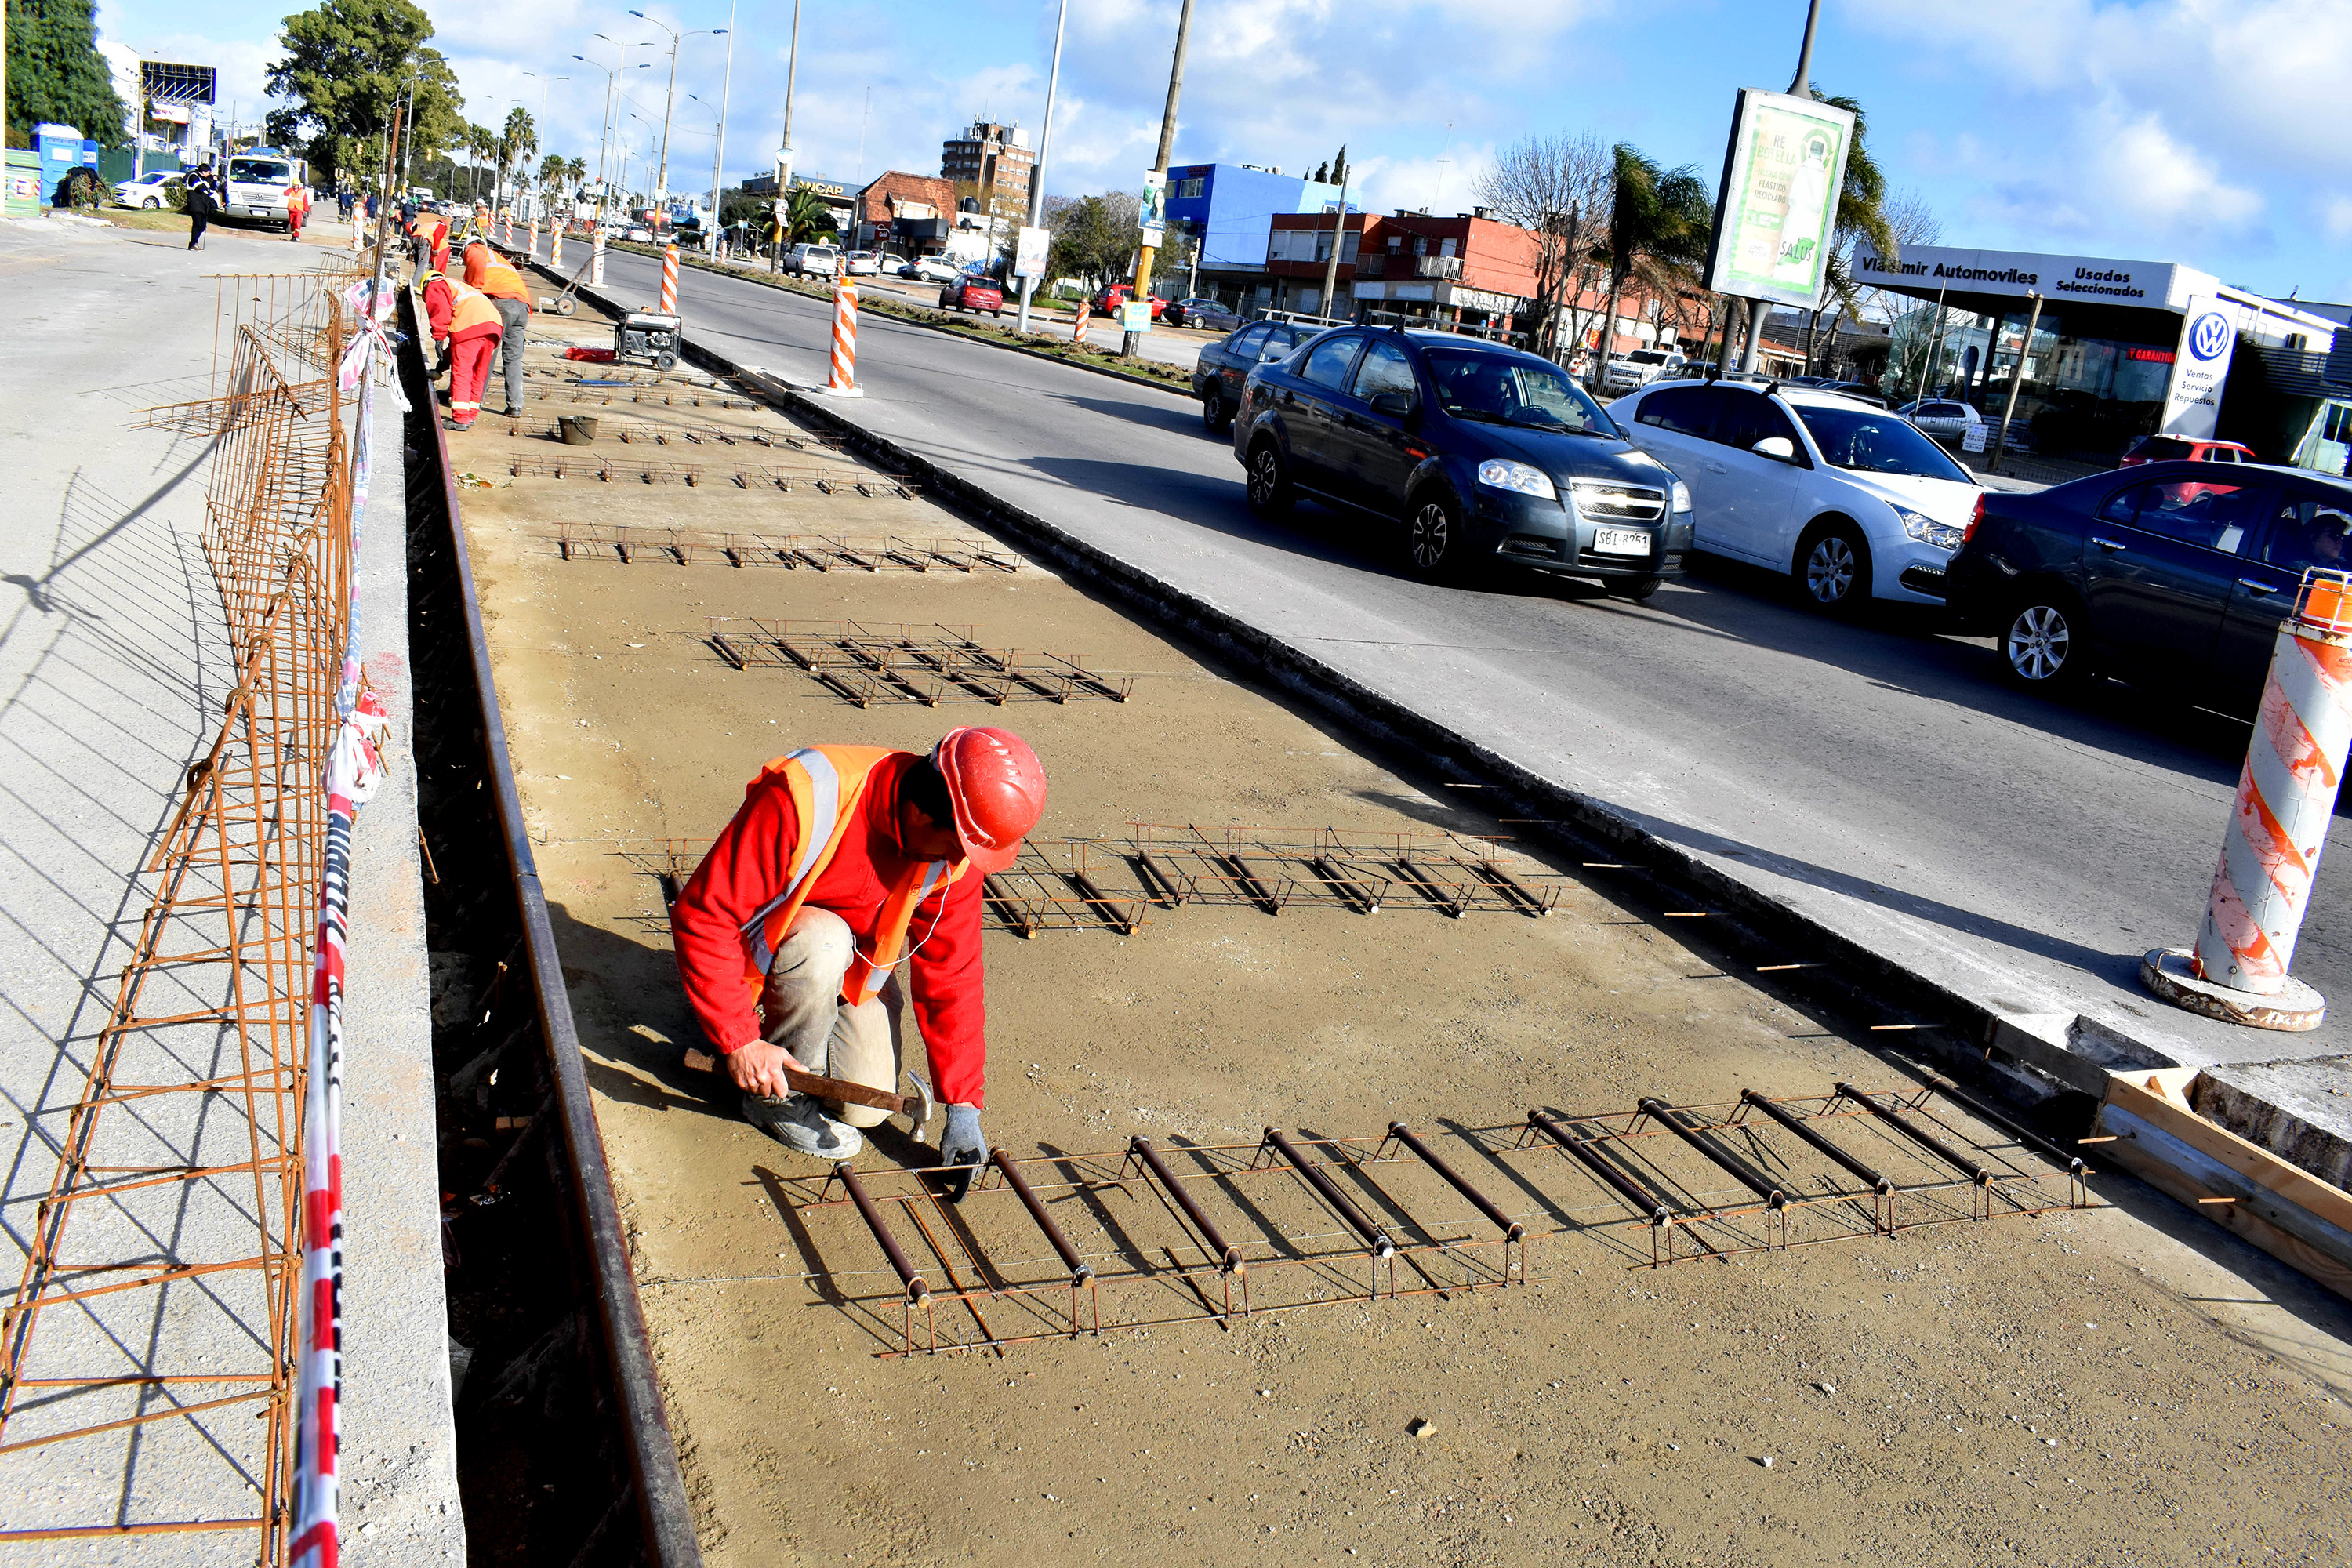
[468, 307]
[826, 784]
[431, 227]
[499, 280]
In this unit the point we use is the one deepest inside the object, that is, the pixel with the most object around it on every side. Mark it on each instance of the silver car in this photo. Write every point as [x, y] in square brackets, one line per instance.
[1941, 418]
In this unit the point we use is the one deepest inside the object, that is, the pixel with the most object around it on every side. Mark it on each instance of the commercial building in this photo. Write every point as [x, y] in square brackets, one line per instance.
[2120, 350]
[1228, 210]
[996, 161]
[912, 215]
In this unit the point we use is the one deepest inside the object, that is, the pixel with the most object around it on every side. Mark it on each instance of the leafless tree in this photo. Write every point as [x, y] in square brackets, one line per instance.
[1557, 189]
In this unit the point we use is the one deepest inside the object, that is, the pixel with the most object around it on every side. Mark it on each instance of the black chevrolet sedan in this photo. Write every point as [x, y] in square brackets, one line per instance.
[2172, 574]
[1225, 364]
[1473, 454]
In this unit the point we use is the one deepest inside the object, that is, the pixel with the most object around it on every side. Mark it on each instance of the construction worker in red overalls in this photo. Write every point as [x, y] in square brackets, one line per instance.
[843, 862]
[298, 207]
[466, 323]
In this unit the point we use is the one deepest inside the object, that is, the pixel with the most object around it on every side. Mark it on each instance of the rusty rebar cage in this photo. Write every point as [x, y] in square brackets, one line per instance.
[156, 1315]
[1059, 1245]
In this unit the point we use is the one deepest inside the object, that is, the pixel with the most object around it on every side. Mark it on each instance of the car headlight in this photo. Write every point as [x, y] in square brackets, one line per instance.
[1524, 478]
[1681, 497]
[1927, 531]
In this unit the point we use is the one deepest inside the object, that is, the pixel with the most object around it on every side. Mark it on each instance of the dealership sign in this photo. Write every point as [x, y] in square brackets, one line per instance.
[1781, 176]
[1924, 269]
[2201, 367]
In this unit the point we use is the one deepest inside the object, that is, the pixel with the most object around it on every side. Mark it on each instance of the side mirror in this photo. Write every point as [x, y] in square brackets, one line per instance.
[1776, 447]
[1395, 405]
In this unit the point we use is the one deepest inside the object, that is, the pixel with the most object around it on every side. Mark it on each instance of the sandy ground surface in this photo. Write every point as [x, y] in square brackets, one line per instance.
[2123, 1384]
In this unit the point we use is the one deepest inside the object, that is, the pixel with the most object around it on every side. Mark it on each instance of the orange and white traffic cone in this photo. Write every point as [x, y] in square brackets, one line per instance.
[1078, 331]
[2286, 799]
[506, 229]
[844, 343]
[555, 245]
[531, 248]
[669, 279]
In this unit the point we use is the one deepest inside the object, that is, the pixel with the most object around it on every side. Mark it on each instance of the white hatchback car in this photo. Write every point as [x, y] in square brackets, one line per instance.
[1942, 417]
[1848, 498]
[150, 190]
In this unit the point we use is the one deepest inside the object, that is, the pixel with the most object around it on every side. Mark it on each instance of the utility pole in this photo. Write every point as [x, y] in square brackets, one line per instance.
[1037, 170]
[784, 154]
[1763, 308]
[1338, 233]
[2016, 378]
[1142, 291]
[718, 154]
[1934, 344]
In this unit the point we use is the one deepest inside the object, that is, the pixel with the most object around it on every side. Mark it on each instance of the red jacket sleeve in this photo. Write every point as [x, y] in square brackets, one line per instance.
[438, 306]
[950, 1005]
[742, 872]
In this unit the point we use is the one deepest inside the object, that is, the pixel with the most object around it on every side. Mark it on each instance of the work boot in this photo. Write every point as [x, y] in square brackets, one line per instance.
[799, 1123]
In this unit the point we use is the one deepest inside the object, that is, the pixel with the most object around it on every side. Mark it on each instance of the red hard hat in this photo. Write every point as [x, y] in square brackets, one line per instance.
[997, 787]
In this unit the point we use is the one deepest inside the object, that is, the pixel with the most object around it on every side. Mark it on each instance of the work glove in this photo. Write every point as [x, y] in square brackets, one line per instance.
[963, 1146]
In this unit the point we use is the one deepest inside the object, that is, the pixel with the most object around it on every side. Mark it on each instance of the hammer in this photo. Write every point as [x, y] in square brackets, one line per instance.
[916, 1106]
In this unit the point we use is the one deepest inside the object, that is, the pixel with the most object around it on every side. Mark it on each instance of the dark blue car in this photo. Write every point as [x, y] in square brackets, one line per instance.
[1476, 456]
[2173, 573]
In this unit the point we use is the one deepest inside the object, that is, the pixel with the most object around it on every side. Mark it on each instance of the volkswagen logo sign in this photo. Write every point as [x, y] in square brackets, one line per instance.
[2209, 335]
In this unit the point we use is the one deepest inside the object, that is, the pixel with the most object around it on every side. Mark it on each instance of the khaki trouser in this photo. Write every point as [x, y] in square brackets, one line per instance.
[800, 1010]
[515, 317]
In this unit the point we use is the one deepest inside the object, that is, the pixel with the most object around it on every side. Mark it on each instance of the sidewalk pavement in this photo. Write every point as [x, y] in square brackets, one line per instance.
[113, 667]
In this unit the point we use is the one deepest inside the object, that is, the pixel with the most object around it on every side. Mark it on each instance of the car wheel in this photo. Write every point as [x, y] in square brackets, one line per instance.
[2043, 646]
[1270, 492]
[1834, 569]
[1214, 415]
[1436, 549]
[152, 203]
[1639, 589]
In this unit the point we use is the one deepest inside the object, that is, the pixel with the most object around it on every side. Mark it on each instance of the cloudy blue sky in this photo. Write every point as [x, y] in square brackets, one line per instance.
[2206, 131]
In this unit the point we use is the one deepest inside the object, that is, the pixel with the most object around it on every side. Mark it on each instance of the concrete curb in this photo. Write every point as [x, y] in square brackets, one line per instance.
[1184, 391]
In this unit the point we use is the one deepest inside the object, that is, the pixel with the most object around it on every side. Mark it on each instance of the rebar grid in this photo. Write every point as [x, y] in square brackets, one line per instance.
[1297, 1220]
[870, 662]
[180, 1169]
[627, 546]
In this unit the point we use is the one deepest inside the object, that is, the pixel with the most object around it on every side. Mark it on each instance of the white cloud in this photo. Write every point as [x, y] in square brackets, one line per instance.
[2335, 213]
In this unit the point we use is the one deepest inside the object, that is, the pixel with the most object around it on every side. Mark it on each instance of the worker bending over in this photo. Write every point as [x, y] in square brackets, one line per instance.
[429, 234]
[466, 325]
[507, 291]
[844, 862]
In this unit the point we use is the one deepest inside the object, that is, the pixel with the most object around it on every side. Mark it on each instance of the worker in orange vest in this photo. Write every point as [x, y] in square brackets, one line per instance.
[430, 233]
[790, 932]
[298, 207]
[511, 295]
[466, 320]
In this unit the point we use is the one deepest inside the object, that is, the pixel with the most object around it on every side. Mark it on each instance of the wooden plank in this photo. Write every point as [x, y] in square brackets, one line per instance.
[2251, 1161]
[2141, 1148]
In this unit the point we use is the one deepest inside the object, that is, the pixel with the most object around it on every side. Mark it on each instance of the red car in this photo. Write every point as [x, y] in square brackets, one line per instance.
[973, 292]
[1107, 302]
[2181, 448]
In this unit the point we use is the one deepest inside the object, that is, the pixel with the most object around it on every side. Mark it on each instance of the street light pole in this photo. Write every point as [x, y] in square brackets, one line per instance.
[1338, 233]
[719, 153]
[1760, 309]
[1037, 170]
[784, 154]
[1142, 290]
[661, 176]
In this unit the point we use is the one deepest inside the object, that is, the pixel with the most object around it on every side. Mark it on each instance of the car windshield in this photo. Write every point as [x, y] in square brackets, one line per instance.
[1645, 356]
[1872, 441]
[1498, 389]
[260, 170]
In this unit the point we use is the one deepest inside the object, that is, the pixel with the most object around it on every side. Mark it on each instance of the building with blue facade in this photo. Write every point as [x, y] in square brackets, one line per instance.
[1229, 209]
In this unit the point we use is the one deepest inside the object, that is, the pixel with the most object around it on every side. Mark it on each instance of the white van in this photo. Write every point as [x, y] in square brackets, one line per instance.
[813, 260]
[256, 185]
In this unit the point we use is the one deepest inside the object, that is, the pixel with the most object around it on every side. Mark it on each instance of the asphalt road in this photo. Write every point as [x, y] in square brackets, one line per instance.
[1876, 775]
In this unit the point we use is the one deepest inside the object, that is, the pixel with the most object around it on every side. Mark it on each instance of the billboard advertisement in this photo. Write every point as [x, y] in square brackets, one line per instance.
[1154, 206]
[2200, 365]
[1777, 214]
[1029, 252]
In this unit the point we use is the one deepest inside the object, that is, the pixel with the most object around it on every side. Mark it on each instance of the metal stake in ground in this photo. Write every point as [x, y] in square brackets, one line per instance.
[2286, 798]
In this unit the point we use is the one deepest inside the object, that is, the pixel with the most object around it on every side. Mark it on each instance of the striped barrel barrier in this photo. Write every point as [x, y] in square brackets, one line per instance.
[506, 229]
[845, 337]
[555, 245]
[2287, 796]
[596, 261]
[1078, 331]
[531, 246]
[669, 279]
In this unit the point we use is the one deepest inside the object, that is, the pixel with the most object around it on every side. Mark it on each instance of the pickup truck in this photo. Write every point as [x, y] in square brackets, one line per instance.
[1629, 372]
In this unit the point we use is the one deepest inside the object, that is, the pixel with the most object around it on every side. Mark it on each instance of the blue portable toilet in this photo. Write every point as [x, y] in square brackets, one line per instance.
[63, 149]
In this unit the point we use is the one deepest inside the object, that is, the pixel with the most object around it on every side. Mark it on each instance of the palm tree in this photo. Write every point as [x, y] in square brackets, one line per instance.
[480, 148]
[517, 142]
[806, 215]
[1659, 220]
[1861, 215]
